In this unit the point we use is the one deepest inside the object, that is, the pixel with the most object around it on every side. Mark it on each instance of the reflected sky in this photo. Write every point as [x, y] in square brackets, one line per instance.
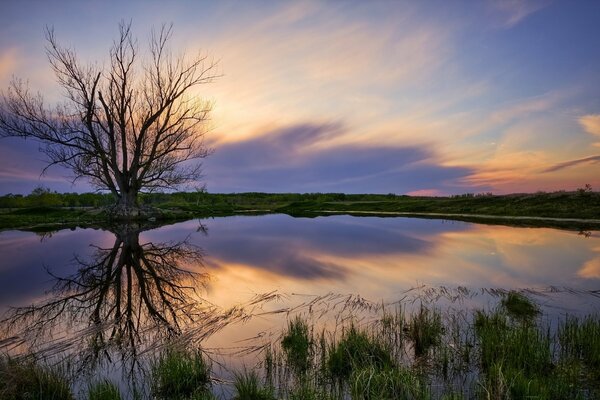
[378, 258]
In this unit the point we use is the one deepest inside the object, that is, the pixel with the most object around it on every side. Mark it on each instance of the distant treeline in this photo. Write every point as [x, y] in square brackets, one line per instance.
[583, 203]
[42, 197]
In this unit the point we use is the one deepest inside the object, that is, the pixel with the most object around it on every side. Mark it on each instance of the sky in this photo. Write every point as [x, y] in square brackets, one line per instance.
[422, 98]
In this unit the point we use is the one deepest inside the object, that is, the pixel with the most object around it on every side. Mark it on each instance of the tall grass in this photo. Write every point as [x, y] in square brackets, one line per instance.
[26, 379]
[248, 386]
[371, 383]
[180, 374]
[425, 330]
[297, 345]
[357, 349]
[103, 390]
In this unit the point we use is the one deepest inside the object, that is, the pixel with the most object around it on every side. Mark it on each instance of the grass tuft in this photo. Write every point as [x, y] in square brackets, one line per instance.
[28, 380]
[390, 383]
[519, 306]
[249, 387]
[357, 349]
[104, 390]
[297, 345]
[179, 374]
[425, 330]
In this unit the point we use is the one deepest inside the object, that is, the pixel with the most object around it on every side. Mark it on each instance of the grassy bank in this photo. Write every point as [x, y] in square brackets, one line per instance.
[71, 209]
[510, 351]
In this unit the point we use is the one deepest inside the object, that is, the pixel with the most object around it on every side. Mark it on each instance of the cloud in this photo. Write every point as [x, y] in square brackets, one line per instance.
[591, 124]
[512, 12]
[298, 158]
[571, 163]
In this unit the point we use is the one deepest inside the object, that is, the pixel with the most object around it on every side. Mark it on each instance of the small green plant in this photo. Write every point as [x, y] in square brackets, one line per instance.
[519, 306]
[249, 387]
[104, 390]
[357, 349]
[29, 380]
[179, 374]
[390, 383]
[425, 330]
[297, 345]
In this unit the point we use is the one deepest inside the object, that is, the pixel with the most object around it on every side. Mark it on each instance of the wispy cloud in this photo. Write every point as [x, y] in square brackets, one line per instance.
[591, 124]
[511, 12]
[572, 163]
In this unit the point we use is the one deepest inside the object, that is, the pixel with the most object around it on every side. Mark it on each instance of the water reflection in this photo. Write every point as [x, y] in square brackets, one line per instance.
[122, 299]
[138, 286]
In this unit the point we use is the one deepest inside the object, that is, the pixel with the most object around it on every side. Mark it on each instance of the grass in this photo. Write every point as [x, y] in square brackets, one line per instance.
[21, 380]
[519, 306]
[104, 390]
[425, 330]
[297, 345]
[399, 383]
[248, 386]
[500, 353]
[357, 349]
[180, 374]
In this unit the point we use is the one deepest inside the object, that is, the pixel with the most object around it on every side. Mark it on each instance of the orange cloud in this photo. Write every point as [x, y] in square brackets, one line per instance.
[591, 124]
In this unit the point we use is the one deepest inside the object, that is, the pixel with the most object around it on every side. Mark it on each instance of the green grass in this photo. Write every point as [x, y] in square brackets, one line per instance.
[297, 345]
[519, 306]
[371, 383]
[425, 330]
[357, 349]
[104, 390]
[22, 380]
[179, 374]
[248, 386]
[494, 354]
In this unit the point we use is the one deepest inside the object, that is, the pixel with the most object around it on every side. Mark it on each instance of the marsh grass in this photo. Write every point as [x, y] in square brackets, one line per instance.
[297, 345]
[400, 383]
[518, 306]
[104, 390]
[26, 379]
[180, 374]
[498, 353]
[425, 330]
[357, 349]
[248, 386]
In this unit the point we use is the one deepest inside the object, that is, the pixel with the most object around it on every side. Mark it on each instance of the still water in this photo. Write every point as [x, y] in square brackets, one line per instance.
[229, 283]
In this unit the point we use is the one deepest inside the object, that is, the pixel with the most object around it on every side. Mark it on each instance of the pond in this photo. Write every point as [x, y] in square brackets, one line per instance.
[107, 298]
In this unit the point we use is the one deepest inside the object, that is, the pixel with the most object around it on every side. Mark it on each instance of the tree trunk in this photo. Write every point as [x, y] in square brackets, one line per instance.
[127, 206]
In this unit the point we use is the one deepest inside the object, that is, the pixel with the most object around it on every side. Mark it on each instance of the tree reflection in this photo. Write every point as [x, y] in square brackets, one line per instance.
[122, 300]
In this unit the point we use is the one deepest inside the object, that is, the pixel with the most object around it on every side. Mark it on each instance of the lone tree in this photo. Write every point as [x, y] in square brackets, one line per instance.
[128, 126]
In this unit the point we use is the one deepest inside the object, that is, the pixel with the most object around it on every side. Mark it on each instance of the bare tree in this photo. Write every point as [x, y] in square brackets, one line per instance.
[129, 126]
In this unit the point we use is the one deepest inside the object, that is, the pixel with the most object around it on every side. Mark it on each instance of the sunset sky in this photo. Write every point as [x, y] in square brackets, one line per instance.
[429, 97]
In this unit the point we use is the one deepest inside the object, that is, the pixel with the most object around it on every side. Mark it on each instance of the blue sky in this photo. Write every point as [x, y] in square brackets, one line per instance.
[429, 97]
